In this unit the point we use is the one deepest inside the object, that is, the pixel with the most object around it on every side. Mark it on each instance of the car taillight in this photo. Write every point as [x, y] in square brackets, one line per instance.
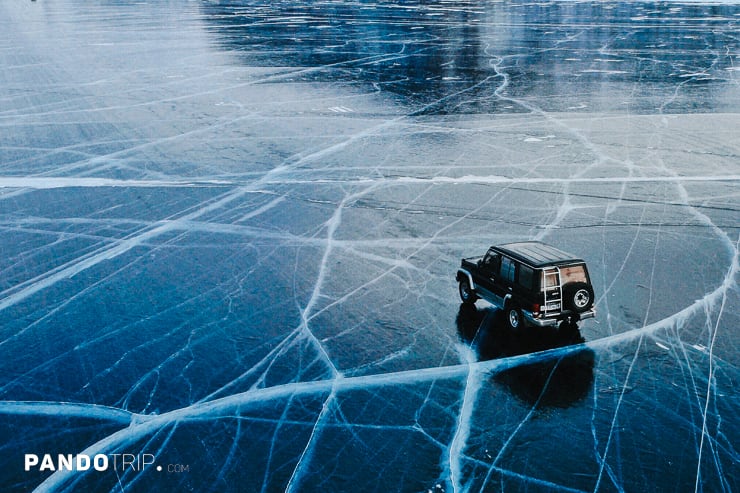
[536, 309]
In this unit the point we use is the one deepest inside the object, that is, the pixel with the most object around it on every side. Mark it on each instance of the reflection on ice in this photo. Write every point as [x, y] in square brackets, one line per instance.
[230, 232]
[465, 57]
[559, 381]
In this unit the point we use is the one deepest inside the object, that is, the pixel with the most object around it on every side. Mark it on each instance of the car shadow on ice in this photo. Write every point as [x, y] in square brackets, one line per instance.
[554, 381]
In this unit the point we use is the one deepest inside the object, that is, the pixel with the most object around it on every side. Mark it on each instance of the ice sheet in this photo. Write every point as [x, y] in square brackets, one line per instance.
[230, 232]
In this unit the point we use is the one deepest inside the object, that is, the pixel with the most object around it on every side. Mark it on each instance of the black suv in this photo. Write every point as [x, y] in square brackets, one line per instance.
[531, 282]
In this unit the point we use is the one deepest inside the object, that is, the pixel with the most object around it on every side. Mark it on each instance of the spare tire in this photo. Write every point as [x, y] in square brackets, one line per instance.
[579, 297]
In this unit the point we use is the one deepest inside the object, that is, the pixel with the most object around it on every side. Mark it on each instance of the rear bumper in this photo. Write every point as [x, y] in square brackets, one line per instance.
[553, 321]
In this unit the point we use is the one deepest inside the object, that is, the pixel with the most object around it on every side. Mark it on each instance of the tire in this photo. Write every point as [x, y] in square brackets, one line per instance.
[514, 318]
[579, 297]
[467, 295]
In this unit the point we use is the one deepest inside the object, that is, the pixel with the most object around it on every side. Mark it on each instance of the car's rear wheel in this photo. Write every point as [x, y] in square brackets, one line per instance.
[514, 317]
[579, 297]
[467, 295]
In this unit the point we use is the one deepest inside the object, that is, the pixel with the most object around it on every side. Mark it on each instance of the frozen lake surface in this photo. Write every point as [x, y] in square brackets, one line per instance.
[230, 232]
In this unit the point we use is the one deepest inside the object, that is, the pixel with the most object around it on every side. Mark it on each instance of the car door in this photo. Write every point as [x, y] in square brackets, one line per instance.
[506, 278]
[489, 273]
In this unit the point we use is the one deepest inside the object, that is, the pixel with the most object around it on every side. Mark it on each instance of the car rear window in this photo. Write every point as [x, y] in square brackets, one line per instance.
[551, 279]
[573, 273]
[568, 274]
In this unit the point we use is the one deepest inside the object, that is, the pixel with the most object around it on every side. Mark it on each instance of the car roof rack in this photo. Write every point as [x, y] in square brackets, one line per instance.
[536, 254]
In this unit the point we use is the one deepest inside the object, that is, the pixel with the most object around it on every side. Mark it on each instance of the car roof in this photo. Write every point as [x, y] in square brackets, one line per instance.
[536, 254]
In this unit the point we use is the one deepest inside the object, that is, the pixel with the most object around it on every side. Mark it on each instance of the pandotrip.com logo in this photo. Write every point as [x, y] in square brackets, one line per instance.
[99, 462]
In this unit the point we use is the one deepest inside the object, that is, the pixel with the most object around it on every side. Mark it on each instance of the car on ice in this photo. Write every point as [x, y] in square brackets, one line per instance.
[533, 283]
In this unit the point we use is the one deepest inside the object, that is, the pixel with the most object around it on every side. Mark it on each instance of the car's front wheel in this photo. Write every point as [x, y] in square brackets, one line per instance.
[467, 295]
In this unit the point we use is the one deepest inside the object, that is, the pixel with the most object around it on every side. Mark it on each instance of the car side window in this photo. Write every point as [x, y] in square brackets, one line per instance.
[491, 262]
[508, 269]
[526, 277]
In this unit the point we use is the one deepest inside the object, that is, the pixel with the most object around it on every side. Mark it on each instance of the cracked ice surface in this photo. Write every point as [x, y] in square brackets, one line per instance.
[230, 232]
